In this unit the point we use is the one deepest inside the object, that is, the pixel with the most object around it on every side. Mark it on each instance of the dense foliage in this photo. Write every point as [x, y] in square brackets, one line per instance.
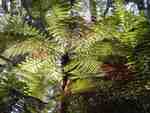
[50, 52]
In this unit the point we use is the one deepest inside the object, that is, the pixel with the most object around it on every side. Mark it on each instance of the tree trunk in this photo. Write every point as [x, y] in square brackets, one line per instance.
[148, 9]
[108, 4]
[86, 11]
[93, 8]
[62, 102]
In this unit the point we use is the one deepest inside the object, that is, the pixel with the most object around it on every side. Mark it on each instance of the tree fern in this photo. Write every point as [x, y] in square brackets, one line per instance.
[73, 52]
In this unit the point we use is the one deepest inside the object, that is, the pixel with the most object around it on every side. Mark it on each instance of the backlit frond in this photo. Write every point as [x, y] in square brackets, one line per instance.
[23, 47]
[39, 75]
[55, 18]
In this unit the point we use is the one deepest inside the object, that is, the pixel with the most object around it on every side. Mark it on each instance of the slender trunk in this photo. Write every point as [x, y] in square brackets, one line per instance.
[6, 5]
[93, 8]
[146, 5]
[64, 60]
[108, 4]
[63, 103]
[87, 11]
[148, 9]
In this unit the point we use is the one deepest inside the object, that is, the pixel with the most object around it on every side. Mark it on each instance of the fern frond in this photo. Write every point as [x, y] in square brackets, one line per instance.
[55, 18]
[16, 25]
[77, 7]
[136, 27]
[4, 21]
[23, 47]
[39, 75]
[14, 31]
[82, 66]
[130, 27]
[39, 7]
[8, 82]
[101, 49]
[87, 59]
[120, 13]
[142, 56]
